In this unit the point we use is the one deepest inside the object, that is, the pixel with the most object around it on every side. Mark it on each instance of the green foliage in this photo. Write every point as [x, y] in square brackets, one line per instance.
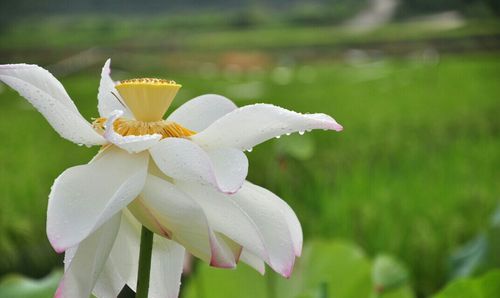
[486, 286]
[17, 286]
[326, 269]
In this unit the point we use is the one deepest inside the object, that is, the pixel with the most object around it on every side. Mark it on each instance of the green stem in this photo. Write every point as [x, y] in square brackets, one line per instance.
[144, 263]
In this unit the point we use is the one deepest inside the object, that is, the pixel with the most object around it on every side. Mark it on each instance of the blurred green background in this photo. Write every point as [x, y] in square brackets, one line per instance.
[400, 204]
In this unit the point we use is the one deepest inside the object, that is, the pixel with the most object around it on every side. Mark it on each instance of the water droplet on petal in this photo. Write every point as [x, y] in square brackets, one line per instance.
[301, 132]
[278, 137]
[249, 149]
[288, 133]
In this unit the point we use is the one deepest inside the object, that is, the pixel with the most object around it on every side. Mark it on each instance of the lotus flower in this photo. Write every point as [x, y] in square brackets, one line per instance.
[183, 178]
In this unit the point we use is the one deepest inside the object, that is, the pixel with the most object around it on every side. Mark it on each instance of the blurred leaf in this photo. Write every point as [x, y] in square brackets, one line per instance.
[469, 257]
[326, 269]
[341, 268]
[401, 292]
[486, 286]
[208, 282]
[388, 273]
[479, 254]
[390, 278]
[18, 286]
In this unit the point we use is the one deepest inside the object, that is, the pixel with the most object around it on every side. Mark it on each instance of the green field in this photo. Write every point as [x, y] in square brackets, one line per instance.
[414, 174]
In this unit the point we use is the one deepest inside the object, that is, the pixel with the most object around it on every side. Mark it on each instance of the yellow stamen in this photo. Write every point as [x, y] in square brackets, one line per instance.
[148, 98]
[127, 127]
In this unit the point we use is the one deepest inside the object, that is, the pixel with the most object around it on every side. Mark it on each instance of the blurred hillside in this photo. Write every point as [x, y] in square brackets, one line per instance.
[321, 10]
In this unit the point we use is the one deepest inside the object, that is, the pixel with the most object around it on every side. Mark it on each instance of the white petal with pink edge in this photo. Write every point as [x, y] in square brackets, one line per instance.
[227, 217]
[87, 261]
[84, 197]
[133, 144]
[48, 96]
[185, 221]
[199, 112]
[108, 97]
[251, 125]
[224, 168]
[293, 223]
[253, 261]
[270, 216]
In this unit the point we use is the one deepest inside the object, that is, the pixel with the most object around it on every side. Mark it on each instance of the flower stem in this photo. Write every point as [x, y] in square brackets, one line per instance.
[144, 263]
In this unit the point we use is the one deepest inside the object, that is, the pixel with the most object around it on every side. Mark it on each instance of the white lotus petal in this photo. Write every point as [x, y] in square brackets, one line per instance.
[224, 254]
[84, 197]
[267, 211]
[234, 246]
[48, 96]
[124, 256]
[133, 144]
[88, 261]
[250, 125]
[68, 256]
[110, 282]
[253, 261]
[166, 268]
[122, 264]
[108, 97]
[166, 260]
[228, 218]
[181, 159]
[293, 224]
[198, 113]
[184, 220]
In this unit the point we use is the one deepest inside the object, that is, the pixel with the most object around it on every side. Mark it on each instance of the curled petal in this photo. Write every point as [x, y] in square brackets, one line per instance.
[256, 219]
[228, 218]
[133, 144]
[177, 216]
[84, 197]
[108, 97]
[198, 113]
[224, 168]
[87, 261]
[270, 216]
[48, 96]
[250, 125]
[253, 261]
[293, 223]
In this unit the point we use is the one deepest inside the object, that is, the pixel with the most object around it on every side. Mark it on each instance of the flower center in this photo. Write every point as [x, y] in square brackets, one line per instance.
[147, 98]
[128, 127]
